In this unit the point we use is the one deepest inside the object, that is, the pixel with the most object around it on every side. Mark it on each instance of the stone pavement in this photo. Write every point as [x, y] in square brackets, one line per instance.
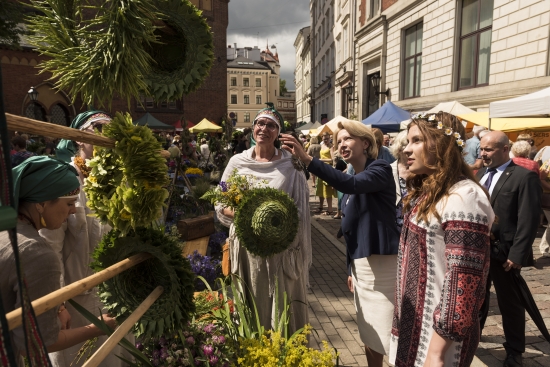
[332, 313]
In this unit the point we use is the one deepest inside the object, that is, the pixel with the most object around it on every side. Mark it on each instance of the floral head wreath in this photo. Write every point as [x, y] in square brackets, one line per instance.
[430, 117]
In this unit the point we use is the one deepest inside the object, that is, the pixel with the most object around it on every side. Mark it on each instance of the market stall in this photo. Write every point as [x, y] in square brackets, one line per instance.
[387, 118]
[205, 126]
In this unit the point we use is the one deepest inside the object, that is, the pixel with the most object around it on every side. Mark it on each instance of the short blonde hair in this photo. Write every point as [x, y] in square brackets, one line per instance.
[357, 129]
[314, 140]
[399, 144]
[521, 148]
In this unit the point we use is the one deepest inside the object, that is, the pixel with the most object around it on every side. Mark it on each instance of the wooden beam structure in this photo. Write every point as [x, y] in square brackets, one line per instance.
[27, 125]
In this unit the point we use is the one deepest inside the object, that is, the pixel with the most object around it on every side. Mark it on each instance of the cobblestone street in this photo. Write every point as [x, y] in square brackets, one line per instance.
[332, 313]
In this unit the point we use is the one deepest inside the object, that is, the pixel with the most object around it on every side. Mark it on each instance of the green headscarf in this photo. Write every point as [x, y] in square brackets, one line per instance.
[42, 178]
[66, 149]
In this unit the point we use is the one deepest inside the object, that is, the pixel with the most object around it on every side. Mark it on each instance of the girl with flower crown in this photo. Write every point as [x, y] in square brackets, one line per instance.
[443, 252]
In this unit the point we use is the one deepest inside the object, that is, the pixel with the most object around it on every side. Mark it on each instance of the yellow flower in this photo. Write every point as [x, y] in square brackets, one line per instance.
[136, 139]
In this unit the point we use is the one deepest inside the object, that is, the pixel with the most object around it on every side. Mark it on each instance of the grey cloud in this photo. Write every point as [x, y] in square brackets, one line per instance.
[255, 22]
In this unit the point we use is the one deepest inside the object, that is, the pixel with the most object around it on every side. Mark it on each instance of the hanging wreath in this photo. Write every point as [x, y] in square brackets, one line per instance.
[184, 53]
[266, 221]
[168, 268]
[160, 48]
[125, 187]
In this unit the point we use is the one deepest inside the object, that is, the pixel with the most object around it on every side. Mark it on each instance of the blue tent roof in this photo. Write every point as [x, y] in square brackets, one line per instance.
[387, 118]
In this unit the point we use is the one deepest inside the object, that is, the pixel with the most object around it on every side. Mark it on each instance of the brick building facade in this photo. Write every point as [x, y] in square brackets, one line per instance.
[19, 73]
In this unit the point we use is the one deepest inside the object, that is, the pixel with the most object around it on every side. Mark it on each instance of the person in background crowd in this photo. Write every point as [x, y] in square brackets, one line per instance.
[205, 151]
[444, 250]
[341, 166]
[192, 141]
[289, 268]
[45, 191]
[520, 151]
[368, 226]
[383, 151]
[174, 149]
[543, 155]
[49, 146]
[314, 150]
[471, 148]
[544, 176]
[528, 138]
[76, 240]
[386, 140]
[400, 174]
[323, 190]
[27, 139]
[21, 153]
[515, 198]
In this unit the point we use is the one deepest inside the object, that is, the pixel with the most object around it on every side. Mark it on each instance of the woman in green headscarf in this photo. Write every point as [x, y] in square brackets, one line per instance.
[46, 191]
[77, 239]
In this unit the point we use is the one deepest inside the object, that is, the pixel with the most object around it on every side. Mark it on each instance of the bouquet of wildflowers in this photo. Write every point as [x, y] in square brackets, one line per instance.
[206, 267]
[194, 172]
[230, 193]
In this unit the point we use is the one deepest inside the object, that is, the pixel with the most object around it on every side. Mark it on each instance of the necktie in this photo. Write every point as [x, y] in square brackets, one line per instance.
[489, 181]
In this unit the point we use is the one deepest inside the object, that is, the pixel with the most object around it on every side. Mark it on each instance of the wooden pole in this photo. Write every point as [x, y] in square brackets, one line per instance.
[54, 299]
[104, 350]
[27, 125]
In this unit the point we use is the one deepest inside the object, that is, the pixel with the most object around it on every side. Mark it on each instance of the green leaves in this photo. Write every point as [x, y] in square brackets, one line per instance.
[108, 53]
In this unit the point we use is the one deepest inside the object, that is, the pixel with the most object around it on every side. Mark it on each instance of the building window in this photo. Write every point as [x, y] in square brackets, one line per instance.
[233, 99]
[172, 105]
[233, 81]
[59, 115]
[35, 111]
[374, 7]
[475, 43]
[246, 99]
[258, 99]
[345, 41]
[258, 82]
[413, 61]
[247, 117]
[280, 104]
[164, 104]
[246, 82]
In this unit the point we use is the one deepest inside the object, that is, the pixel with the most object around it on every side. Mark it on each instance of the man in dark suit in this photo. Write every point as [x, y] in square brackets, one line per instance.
[515, 198]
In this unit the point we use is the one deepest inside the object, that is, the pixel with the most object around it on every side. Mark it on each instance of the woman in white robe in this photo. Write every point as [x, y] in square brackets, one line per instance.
[291, 267]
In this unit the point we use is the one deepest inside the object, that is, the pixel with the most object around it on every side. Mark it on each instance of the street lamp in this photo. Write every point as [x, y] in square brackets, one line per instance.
[33, 95]
[349, 94]
[375, 81]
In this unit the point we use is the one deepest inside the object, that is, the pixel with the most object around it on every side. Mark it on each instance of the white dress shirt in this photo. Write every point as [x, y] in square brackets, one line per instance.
[495, 177]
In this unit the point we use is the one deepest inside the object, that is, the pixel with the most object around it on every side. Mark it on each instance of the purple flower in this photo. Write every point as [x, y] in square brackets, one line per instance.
[139, 346]
[156, 353]
[156, 362]
[204, 266]
[190, 340]
[209, 328]
[213, 360]
[162, 341]
[208, 350]
[218, 339]
[223, 185]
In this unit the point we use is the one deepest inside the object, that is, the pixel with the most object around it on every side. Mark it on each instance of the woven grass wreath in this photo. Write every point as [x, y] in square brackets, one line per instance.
[103, 49]
[122, 294]
[266, 222]
[125, 187]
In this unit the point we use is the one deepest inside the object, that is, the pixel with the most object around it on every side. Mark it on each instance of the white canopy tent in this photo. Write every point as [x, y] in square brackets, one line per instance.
[333, 124]
[534, 104]
[454, 108]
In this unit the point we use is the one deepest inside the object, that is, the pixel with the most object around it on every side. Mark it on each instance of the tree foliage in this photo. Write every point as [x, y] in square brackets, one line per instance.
[11, 18]
[282, 87]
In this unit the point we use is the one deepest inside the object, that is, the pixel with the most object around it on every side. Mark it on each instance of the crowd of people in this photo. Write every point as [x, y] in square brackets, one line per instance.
[430, 219]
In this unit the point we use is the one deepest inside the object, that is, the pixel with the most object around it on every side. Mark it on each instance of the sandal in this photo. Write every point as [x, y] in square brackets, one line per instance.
[327, 213]
[337, 217]
[318, 211]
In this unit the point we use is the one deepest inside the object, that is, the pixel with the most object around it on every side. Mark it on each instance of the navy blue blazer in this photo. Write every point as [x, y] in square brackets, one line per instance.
[368, 207]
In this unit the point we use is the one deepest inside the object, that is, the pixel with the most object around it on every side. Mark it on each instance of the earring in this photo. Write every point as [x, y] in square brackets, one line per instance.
[364, 151]
[42, 221]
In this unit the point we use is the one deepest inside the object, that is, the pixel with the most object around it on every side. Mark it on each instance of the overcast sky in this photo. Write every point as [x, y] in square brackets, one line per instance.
[254, 22]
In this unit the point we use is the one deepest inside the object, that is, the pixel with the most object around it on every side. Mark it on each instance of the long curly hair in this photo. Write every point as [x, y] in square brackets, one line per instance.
[443, 135]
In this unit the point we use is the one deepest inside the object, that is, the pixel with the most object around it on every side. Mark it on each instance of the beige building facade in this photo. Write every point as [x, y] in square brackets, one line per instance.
[302, 75]
[473, 51]
[252, 80]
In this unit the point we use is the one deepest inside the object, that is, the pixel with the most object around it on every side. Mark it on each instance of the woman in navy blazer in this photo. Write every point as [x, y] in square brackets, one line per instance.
[369, 228]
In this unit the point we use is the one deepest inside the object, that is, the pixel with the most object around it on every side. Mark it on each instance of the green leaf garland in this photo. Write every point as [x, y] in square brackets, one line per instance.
[122, 294]
[266, 221]
[126, 184]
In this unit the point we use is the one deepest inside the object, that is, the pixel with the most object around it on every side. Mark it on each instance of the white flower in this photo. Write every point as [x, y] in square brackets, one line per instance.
[448, 131]
[440, 125]
[457, 135]
[460, 142]
[431, 118]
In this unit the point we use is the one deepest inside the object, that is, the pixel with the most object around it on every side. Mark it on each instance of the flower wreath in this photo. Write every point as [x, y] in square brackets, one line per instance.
[125, 185]
[430, 118]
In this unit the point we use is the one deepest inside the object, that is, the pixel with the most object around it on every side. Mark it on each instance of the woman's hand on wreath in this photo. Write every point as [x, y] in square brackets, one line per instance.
[109, 320]
[290, 144]
[228, 212]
